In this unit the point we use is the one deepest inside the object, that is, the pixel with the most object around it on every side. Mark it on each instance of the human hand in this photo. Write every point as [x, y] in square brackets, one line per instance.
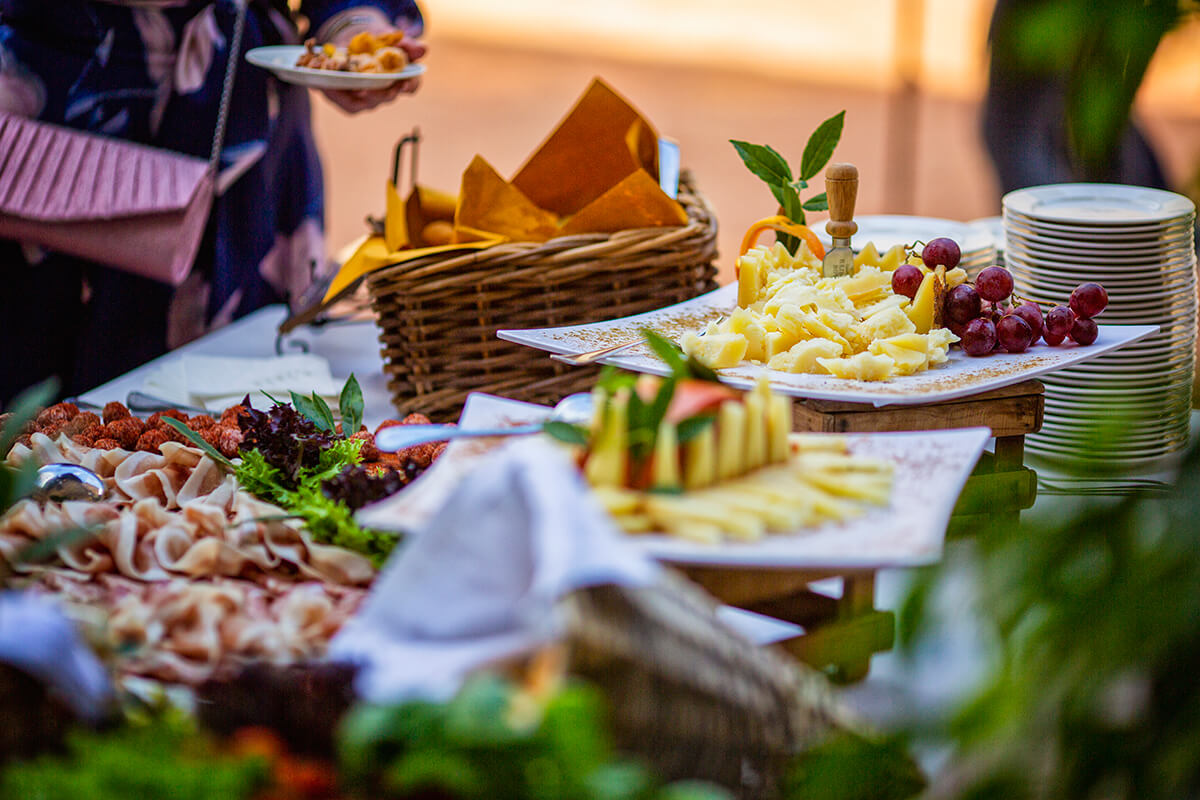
[353, 101]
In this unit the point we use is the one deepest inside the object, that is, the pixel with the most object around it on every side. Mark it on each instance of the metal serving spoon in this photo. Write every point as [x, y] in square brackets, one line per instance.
[574, 408]
[142, 402]
[61, 482]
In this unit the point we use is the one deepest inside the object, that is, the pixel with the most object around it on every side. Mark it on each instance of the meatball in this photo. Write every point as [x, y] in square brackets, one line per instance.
[113, 411]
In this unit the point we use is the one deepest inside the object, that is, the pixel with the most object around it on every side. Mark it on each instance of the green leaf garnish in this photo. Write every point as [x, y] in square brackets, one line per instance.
[195, 438]
[820, 145]
[350, 405]
[773, 169]
[566, 432]
[309, 410]
[665, 349]
[817, 203]
[24, 408]
[326, 413]
[764, 162]
[612, 379]
[689, 428]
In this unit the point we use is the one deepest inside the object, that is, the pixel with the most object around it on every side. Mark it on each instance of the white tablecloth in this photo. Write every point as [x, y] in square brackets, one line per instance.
[349, 347]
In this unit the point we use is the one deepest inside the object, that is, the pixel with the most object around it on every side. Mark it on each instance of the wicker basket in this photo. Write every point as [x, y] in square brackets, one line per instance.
[689, 696]
[438, 316]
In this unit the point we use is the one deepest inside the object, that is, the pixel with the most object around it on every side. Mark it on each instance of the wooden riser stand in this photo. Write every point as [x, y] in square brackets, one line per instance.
[842, 633]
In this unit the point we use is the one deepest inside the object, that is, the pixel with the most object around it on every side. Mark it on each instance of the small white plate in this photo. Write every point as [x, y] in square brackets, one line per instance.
[931, 469]
[281, 60]
[1098, 204]
[961, 376]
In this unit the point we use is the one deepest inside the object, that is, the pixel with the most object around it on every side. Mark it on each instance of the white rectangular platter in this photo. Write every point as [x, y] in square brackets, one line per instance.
[931, 469]
[961, 376]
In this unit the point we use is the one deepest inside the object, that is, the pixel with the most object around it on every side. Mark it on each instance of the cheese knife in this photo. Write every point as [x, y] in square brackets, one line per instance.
[841, 187]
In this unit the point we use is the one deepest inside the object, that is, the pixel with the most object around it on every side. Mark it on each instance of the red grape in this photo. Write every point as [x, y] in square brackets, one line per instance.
[1085, 330]
[1014, 333]
[1088, 300]
[962, 304]
[979, 337]
[1053, 339]
[1030, 312]
[941, 251]
[906, 279]
[994, 283]
[1059, 321]
[956, 328]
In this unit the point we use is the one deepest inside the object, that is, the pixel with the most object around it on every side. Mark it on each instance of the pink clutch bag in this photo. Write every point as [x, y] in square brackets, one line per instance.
[128, 206]
[136, 208]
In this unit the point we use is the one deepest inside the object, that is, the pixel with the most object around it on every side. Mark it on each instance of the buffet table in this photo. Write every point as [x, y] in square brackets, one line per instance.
[353, 347]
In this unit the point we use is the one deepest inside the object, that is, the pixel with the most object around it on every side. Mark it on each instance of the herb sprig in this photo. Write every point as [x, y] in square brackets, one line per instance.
[765, 162]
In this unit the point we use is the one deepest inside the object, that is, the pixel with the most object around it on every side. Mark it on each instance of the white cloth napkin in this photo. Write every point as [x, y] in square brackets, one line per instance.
[217, 382]
[480, 582]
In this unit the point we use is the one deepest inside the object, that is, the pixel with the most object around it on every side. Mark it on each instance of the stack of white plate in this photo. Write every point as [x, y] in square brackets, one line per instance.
[993, 227]
[1139, 244]
[885, 230]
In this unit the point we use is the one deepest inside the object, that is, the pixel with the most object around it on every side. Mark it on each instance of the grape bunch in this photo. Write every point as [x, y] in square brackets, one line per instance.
[987, 316]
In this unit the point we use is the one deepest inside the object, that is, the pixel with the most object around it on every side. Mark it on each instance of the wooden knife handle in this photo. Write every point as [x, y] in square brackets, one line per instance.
[841, 187]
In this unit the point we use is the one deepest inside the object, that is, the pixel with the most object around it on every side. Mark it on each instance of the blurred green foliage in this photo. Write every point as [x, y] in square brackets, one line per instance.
[161, 757]
[1096, 691]
[19, 482]
[496, 740]
[1100, 49]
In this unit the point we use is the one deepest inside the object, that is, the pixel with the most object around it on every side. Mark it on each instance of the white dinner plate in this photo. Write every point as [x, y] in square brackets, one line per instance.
[1089, 393]
[1115, 446]
[1080, 427]
[1088, 233]
[1151, 276]
[1119, 444]
[1176, 238]
[1136, 418]
[1119, 299]
[281, 60]
[1156, 381]
[931, 469]
[1098, 204]
[1104, 464]
[961, 376]
[887, 230]
[1139, 258]
[1020, 261]
[1123, 247]
[1104, 264]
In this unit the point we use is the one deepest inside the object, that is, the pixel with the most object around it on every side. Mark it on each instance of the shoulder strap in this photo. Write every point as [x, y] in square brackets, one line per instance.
[235, 54]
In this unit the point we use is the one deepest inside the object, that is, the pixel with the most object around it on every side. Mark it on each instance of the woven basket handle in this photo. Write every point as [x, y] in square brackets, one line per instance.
[414, 139]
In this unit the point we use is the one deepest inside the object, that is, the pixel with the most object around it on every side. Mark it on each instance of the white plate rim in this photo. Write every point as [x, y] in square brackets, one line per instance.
[271, 57]
[1087, 233]
[1156, 205]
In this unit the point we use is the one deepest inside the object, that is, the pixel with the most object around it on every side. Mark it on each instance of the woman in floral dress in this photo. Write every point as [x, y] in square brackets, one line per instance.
[150, 71]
